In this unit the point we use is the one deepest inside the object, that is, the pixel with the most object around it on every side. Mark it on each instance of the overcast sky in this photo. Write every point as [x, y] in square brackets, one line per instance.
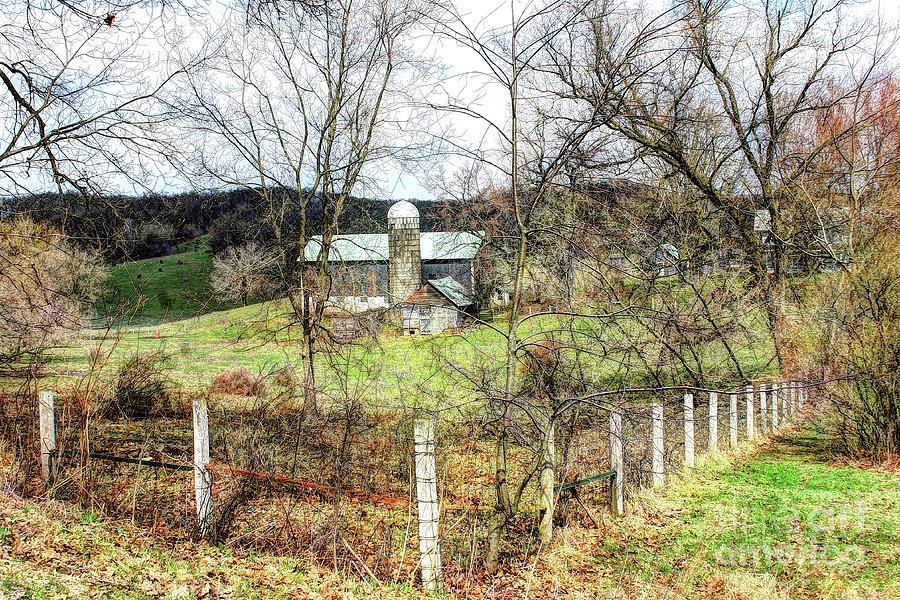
[460, 64]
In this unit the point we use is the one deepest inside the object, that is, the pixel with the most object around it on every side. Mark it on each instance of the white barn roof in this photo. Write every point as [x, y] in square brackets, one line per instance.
[373, 247]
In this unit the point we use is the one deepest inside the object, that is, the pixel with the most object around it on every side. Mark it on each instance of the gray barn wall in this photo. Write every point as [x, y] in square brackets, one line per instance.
[359, 279]
[371, 279]
[460, 270]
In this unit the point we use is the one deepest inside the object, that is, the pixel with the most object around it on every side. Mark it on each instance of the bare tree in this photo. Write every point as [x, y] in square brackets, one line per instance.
[47, 289]
[243, 272]
[299, 107]
[720, 95]
[79, 90]
[525, 155]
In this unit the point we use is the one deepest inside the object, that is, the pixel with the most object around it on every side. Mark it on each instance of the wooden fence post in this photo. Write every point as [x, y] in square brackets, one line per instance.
[617, 462]
[751, 432]
[793, 398]
[733, 420]
[713, 422]
[763, 410]
[784, 402]
[689, 430]
[47, 428]
[202, 474]
[658, 467]
[427, 502]
[787, 400]
[773, 400]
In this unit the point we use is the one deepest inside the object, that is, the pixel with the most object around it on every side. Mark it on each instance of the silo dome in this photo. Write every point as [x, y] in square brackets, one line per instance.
[403, 210]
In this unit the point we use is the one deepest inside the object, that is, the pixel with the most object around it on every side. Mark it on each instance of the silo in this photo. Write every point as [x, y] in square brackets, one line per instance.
[404, 252]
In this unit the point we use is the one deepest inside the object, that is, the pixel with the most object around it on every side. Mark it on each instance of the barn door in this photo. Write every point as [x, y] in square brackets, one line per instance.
[425, 319]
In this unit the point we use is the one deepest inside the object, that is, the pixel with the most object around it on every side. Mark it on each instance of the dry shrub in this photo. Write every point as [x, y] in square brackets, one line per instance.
[47, 287]
[861, 335]
[285, 377]
[97, 356]
[18, 463]
[144, 389]
[239, 381]
[230, 504]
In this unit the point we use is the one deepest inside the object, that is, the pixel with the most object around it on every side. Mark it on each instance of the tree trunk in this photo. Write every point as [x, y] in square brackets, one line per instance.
[310, 393]
[548, 479]
[503, 508]
[492, 558]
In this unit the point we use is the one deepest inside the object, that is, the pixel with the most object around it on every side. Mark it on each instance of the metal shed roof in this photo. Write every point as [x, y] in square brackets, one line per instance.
[453, 291]
[373, 247]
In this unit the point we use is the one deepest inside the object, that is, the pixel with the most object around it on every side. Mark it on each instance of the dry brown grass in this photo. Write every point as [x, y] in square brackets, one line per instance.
[239, 381]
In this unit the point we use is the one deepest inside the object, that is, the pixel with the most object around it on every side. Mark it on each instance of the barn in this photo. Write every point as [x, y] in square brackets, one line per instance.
[382, 270]
[438, 305]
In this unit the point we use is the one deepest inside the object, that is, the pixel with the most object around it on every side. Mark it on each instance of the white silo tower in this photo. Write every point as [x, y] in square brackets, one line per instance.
[404, 252]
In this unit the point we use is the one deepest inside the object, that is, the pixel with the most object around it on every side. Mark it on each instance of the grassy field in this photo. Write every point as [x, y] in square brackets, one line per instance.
[390, 370]
[782, 521]
[165, 305]
[158, 290]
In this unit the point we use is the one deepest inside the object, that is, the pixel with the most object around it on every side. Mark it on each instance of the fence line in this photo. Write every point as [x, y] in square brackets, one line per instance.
[791, 397]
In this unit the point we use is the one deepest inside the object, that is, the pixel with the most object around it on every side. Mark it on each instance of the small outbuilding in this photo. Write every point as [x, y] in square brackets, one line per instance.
[438, 305]
[667, 260]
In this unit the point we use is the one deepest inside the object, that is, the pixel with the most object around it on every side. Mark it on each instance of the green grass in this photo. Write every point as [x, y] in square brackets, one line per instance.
[780, 522]
[166, 304]
[388, 371]
[51, 553]
[784, 517]
[158, 290]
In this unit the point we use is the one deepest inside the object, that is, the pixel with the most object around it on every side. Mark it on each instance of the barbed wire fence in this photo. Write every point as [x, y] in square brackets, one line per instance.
[385, 495]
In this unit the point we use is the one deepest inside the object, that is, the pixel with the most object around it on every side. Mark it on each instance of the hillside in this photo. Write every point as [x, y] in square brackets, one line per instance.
[780, 521]
[163, 289]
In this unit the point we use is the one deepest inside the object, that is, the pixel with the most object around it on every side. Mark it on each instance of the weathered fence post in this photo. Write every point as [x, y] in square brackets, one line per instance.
[47, 427]
[732, 420]
[617, 462]
[202, 474]
[801, 397]
[426, 495]
[787, 400]
[713, 422]
[773, 400]
[784, 402]
[689, 430]
[793, 398]
[763, 410]
[751, 433]
[658, 467]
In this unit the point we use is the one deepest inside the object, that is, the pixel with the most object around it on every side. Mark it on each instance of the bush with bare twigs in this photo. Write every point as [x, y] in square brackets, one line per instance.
[46, 288]
[239, 381]
[866, 345]
[143, 388]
